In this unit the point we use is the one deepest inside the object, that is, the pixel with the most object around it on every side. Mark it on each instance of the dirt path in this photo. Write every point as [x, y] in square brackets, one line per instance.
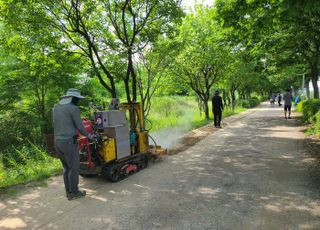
[253, 174]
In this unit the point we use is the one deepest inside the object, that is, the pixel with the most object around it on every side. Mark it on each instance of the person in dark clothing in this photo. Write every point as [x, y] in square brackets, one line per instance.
[287, 97]
[66, 122]
[279, 99]
[217, 108]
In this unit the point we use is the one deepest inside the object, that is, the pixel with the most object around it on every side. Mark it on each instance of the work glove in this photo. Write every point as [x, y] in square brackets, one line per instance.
[92, 137]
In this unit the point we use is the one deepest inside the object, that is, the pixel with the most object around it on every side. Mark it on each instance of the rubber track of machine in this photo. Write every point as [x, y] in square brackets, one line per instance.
[111, 172]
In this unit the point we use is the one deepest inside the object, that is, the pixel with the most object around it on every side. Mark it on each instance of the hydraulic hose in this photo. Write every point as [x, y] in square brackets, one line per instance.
[155, 144]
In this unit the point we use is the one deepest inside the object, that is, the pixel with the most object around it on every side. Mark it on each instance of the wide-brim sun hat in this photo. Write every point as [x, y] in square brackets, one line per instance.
[66, 99]
[73, 93]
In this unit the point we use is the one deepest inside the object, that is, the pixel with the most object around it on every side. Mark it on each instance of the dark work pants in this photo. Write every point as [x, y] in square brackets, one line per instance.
[217, 115]
[69, 155]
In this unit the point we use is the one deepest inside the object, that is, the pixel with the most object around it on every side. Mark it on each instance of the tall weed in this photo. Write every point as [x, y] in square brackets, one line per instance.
[28, 163]
[173, 111]
[182, 111]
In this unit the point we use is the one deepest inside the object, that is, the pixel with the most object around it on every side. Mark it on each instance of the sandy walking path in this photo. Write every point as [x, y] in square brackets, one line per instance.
[252, 174]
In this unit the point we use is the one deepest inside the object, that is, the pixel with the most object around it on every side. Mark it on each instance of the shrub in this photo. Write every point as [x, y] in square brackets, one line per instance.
[16, 128]
[244, 104]
[254, 102]
[317, 123]
[2, 171]
[309, 110]
[249, 103]
[299, 107]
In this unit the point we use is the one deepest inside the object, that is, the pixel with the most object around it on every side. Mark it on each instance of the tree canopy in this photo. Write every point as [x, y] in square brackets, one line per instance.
[139, 49]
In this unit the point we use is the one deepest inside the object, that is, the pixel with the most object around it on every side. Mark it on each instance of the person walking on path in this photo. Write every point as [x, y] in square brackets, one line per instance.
[217, 108]
[66, 122]
[279, 99]
[272, 99]
[287, 97]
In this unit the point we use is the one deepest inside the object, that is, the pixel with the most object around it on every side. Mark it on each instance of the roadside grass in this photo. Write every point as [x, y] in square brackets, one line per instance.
[31, 162]
[310, 115]
[11, 192]
[172, 111]
[229, 113]
[180, 111]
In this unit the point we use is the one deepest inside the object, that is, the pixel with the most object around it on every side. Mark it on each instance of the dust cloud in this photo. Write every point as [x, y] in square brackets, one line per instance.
[169, 136]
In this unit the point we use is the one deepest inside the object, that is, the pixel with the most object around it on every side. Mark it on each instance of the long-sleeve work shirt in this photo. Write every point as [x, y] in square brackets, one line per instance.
[66, 121]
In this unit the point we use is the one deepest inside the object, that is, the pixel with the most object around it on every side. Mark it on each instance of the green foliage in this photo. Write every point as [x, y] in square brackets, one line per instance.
[317, 123]
[309, 109]
[35, 66]
[282, 34]
[109, 33]
[181, 111]
[202, 55]
[311, 114]
[249, 103]
[27, 163]
[299, 106]
[172, 111]
[227, 113]
[2, 171]
[17, 126]
[288, 77]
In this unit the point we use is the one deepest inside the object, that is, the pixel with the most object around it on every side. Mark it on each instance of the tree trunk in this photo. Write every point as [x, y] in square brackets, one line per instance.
[229, 101]
[132, 73]
[248, 94]
[314, 79]
[225, 100]
[233, 96]
[307, 89]
[206, 109]
[41, 108]
[127, 87]
[233, 100]
[44, 127]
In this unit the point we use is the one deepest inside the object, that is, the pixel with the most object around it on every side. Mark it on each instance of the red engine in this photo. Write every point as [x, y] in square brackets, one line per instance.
[89, 127]
[84, 143]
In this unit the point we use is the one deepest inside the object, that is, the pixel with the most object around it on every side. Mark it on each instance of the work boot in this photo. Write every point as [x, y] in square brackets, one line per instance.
[78, 194]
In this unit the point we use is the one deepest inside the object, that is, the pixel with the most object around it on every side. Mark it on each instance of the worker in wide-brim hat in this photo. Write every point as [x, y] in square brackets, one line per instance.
[71, 93]
[66, 122]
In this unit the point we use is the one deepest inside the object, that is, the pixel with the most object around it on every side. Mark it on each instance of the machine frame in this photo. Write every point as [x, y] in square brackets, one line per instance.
[102, 156]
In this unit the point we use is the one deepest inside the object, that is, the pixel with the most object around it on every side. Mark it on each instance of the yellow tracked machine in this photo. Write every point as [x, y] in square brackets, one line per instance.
[122, 144]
